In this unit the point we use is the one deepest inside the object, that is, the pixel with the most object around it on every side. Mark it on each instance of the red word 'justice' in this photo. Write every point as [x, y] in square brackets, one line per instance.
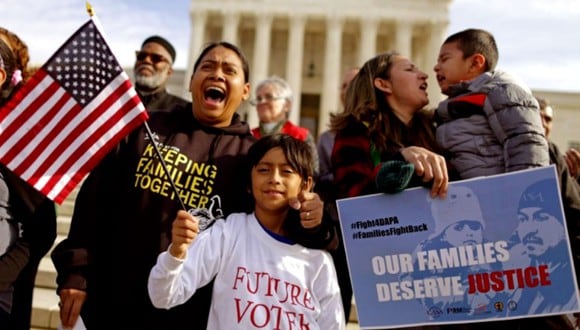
[529, 277]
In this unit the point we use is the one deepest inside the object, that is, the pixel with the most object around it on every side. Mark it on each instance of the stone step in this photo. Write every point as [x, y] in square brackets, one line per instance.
[352, 326]
[45, 312]
[62, 224]
[353, 317]
[65, 209]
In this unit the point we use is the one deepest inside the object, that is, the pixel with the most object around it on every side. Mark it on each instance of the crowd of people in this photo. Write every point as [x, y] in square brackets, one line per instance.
[254, 221]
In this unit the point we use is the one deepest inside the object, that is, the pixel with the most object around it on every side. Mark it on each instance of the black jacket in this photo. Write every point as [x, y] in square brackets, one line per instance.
[161, 100]
[570, 192]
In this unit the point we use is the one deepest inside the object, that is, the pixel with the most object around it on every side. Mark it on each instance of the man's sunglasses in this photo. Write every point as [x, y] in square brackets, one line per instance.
[155, 58]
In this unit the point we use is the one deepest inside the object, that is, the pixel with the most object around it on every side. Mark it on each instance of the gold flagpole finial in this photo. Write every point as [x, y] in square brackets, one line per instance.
[90, 9]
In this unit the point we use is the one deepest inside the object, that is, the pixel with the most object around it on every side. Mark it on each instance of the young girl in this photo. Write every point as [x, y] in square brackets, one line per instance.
[263, 279]
[27, 218]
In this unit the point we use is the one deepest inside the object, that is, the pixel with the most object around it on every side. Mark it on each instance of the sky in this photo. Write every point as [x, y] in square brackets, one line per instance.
[538, 40]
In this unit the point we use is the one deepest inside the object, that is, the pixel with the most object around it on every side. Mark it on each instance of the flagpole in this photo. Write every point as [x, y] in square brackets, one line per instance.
[91, 13]
[158, 152]
[90, 9]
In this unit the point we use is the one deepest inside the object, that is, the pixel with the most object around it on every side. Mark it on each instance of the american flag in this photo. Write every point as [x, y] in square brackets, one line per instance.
[70, 113]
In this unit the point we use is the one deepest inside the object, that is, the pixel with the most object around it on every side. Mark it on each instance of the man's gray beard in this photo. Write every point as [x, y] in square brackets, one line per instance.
[148, 83]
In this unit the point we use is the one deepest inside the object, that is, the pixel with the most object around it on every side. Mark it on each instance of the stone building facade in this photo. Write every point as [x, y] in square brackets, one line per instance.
[310, 43]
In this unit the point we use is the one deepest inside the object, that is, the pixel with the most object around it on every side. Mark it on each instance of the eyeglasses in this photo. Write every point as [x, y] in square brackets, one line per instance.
[266, 98]
[155, 58]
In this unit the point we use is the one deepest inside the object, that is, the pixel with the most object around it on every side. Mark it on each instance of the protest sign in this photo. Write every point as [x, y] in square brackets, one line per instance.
[495, 248]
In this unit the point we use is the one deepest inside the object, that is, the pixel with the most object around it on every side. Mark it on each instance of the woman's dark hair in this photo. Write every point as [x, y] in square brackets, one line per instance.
[230, 46]
[364, 103]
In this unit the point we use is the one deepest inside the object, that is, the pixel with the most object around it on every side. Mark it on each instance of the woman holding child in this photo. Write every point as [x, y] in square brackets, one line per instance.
[385, 142]
[384, 128]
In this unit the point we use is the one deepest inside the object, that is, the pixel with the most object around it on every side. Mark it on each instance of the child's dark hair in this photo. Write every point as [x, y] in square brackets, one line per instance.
[299, 156]
[474, 41]
[298, 153]
[230, 46]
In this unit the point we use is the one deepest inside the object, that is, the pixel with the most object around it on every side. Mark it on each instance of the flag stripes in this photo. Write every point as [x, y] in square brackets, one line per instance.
[50, 137]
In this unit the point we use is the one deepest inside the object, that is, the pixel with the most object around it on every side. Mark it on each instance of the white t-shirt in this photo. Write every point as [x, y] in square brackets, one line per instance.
[260, 282]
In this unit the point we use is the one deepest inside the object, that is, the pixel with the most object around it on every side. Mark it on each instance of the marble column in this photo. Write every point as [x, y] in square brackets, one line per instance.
[261, 61]
[198, 23]
[294, 62]
[404, 38]
[330, 101]
[230, 27]
[368, 39]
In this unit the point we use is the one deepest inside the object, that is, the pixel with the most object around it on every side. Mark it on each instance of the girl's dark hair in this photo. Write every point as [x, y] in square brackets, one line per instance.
[364, 103]
[299, 157]
[298, 153]
[230, 46]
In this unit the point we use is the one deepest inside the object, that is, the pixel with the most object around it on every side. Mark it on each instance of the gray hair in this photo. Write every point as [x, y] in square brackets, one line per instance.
[280, 86]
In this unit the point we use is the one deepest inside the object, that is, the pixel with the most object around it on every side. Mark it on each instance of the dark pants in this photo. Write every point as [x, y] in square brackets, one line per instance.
[4, 319]
[341, 266]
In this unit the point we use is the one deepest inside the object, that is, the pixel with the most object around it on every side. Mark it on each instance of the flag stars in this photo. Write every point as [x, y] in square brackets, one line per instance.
[85, 65]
